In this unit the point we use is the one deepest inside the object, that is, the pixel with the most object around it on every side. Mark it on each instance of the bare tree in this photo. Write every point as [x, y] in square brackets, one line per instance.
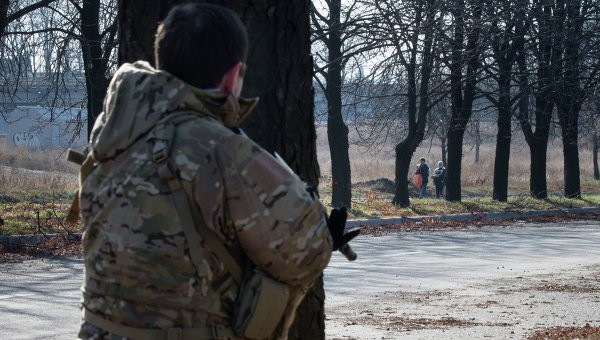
[508, 27]
[465, 61]
[98, 32]
[577, 25]
[10, 12]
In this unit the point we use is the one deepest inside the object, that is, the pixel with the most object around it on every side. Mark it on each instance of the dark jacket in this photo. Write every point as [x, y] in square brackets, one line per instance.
[439, 176]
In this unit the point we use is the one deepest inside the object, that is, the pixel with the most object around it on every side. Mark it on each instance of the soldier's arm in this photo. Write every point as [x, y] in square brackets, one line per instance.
[280, 227]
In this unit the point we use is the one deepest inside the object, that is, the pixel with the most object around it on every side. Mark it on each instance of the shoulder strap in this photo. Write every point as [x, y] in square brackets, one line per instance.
[193, 223]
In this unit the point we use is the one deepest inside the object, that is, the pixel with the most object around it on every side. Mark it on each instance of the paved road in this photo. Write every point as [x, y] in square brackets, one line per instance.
[39, 299]
[485, 283]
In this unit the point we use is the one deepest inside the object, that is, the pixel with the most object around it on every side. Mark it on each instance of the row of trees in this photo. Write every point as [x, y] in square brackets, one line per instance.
[417, 67]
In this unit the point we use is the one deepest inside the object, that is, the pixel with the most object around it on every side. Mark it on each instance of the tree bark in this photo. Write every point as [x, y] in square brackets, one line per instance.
[503, 139]
[337, 131]
[403, 170]
[454, 167]
[537, 179]
[279, 72]
[568, 118]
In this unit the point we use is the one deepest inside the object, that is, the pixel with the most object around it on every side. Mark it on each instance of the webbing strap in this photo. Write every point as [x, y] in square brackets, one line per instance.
[87, 165]
[206, 332]
[192, 220]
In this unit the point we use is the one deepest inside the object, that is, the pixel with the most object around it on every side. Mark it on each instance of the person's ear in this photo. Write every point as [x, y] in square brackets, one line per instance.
[231, 79]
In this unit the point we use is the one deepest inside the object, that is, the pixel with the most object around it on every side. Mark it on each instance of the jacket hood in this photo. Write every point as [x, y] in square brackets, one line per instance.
[139, 95]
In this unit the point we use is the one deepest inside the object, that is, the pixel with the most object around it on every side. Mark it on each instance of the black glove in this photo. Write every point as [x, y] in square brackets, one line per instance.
[337, 224]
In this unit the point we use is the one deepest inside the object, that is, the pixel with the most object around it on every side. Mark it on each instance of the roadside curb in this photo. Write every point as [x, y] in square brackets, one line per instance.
[478, 216]
[14, 242]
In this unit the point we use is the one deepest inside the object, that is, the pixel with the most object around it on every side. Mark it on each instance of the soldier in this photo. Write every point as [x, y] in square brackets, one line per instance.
[173, 191]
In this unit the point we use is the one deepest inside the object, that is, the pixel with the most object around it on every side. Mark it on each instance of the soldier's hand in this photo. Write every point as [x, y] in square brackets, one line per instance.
[337, 224]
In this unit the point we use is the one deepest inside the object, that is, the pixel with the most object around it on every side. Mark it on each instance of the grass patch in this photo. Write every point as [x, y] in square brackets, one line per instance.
[38, 212]
[379, 205]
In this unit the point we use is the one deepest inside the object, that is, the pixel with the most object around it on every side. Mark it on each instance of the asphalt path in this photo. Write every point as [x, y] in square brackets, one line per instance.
[39, 299]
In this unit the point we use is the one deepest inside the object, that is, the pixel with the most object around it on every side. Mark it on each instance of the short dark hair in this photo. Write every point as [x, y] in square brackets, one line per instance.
[199, 43]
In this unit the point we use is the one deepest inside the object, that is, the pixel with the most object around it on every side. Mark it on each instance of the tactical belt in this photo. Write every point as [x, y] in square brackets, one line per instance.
[206, 332]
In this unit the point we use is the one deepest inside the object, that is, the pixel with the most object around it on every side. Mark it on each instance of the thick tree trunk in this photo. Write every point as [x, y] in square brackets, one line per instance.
[568, 118]
[280, 72]
[537, 177]
[538, 143]
[503, 140]
[337, 131]
[337, 135]
[570, 94]
[403, 170]
[454, 167]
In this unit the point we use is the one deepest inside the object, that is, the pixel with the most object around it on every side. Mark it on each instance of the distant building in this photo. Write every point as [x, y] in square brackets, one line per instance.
[30, 127]
[41, 110]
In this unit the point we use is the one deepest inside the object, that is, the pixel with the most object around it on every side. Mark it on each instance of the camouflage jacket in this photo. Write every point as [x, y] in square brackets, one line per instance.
[138, 270]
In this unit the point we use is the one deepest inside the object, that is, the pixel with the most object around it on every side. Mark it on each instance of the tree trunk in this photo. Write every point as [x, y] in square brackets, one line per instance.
[454, 167]
[403, 168]
[477, 140]
[337, 131]
[280, 72]
[568, 118]
[595, 156]
[537, 177]
[444, 150]
[538, 142]
[503, 139]
[570, 94]
[96, 82]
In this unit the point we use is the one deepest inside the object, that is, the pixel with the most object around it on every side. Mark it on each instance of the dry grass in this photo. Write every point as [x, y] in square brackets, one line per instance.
[47, 171]
[36, 186]
[477, 177]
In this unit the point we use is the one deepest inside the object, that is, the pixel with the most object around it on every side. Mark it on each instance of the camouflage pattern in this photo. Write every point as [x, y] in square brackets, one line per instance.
[138, 271]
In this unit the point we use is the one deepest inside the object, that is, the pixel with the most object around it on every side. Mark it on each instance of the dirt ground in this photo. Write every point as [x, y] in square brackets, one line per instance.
[517, 308]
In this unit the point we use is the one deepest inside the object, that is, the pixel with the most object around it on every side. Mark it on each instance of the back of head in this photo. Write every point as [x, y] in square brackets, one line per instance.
[199, 43]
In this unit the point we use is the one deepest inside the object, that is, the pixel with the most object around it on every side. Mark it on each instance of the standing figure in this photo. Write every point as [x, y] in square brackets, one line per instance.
[423, 170]
[180, 207]
[439, 179]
